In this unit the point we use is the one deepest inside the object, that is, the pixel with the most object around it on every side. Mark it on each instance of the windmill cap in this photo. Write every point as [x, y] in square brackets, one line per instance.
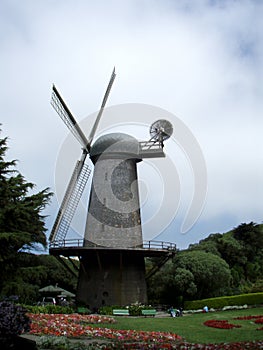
[115, 144]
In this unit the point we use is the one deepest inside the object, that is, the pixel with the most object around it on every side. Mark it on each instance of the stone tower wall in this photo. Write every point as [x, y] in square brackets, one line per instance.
[114, 210]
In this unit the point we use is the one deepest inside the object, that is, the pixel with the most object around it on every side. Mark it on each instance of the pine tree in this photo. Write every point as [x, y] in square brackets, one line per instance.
[22, 225]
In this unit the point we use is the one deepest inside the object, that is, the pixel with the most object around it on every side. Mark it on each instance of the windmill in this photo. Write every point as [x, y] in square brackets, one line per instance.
[112, 253]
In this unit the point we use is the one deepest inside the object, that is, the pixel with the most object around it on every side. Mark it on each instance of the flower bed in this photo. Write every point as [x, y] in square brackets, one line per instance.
[248, 317]
[258, 320]
[222, 324]
[74, 325]
[253, 345]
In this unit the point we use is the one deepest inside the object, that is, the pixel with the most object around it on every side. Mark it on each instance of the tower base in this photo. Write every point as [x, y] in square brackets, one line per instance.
[111, 278]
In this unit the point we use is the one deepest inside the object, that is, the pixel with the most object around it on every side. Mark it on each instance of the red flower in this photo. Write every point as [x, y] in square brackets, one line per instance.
[222, 324]
[259, 320]
[248, 317]
[78, 325]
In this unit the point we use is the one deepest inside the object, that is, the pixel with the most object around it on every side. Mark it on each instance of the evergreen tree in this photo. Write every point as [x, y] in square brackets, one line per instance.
[22, 225]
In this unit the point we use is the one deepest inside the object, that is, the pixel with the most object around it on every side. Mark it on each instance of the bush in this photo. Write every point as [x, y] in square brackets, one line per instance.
[58, 343]
[50, 309]
[134, 309]
[13, 319]
[107, 310]
[220, 302]
[83, 310]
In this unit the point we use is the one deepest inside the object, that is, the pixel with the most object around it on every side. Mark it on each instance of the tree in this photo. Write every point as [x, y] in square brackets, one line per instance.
[184, 282]
[211, 274]
[231, 250]
[209, 244]
[193, 274]
[22, 225]
[250, 237]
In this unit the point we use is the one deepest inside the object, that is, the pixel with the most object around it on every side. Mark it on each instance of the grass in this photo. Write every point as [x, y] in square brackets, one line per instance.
[191, 327]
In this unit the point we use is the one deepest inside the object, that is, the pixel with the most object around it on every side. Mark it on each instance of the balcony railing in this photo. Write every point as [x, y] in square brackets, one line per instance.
[80, 243]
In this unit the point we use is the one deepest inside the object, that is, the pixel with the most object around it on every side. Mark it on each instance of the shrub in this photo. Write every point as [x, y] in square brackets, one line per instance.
[50, 309]
[107, 310]
[220, 302]
[60, 343]
[13, 319]
[134, 309]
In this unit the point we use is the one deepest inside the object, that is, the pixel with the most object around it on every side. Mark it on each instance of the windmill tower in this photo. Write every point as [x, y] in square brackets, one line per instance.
[112, 253]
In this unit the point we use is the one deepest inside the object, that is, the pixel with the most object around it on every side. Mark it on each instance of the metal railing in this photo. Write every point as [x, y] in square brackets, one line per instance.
[150, 145]
[158, 245]
[80, 243]
[66, 243]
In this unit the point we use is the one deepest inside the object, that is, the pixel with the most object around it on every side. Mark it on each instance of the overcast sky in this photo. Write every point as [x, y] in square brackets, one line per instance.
[197, 63]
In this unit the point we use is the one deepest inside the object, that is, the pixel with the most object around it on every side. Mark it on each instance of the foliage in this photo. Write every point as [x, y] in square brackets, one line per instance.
[108, 309]
[22, 225]
[54, 272]
[191, 274]
[135, 309]
[59, 343]
[50, 309]
[242, 249]
[231, 250]
[37, 271]
[21, 222]
[13, 319]
[209, 244]
[256, 287]
[26, 292]
[22, 228]
[83, 310]
[62, 343]
[220, 302]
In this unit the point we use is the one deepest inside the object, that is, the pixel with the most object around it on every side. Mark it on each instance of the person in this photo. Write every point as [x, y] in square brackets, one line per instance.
[179, 312]
[205, 308]
[172, 311]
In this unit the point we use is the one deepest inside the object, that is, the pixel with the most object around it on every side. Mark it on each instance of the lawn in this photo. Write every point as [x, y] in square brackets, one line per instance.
[191, 327]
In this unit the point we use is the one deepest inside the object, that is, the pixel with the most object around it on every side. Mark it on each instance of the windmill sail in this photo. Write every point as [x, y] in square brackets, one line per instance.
[70, 201]
[63, 111]
[81, 172]
[93, 130]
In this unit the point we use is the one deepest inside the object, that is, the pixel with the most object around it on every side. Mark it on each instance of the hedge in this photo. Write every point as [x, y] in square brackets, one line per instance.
[220, 302]
[49, 309]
